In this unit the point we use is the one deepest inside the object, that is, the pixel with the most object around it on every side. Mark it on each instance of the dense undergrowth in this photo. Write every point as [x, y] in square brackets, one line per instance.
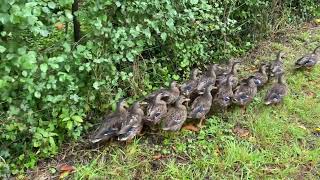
[49, 84]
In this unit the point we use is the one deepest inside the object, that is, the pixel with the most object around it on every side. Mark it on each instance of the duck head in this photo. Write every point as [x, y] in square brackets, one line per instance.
[194, 73]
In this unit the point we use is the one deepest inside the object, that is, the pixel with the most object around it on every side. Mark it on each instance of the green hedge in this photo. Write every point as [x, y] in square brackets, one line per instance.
[48, 83]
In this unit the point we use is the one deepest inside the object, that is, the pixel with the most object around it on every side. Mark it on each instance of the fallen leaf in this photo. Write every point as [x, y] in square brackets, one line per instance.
[63, 174]
[66, 167]
[241, 132]
[59, 26]
[191, 127]
[157, 157]
[302, 127]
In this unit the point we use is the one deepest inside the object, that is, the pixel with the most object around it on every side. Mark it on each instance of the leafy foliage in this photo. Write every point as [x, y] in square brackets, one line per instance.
[128, 48]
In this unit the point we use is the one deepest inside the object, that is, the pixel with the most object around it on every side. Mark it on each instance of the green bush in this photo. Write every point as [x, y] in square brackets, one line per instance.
[128, 48]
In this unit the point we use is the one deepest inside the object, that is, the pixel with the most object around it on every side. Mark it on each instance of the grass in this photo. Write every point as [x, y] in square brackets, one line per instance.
[273, 142]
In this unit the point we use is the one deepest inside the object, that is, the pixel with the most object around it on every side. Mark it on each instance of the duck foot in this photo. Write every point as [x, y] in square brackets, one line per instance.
[200, 125]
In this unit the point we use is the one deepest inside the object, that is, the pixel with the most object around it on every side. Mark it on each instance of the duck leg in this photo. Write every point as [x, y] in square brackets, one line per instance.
[200, 125]
[243, 110]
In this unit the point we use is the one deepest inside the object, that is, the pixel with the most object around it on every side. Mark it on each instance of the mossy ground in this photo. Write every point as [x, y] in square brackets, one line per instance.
[273, 142]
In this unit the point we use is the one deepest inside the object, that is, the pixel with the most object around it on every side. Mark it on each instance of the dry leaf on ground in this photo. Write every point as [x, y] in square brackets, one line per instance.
[191, 127]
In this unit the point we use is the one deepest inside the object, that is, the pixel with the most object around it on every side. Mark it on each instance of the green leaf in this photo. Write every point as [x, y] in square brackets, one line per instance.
[68, 14]
[176, 77]
[170, 23]
[130, 57]
[69, 125]
[37, 94]
[44, 67]
[194, 1]
[147, 32]
[2, 49]
[96, 85]
[163, 36]
[77, 118]
[51, 5]
[24, 73]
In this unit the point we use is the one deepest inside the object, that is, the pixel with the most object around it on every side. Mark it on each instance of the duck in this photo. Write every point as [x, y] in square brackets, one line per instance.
[276, 67]
[245, 92]
[308, 61]
[224, 69]
[112, 123]
[277, 92]
[261, 77]
[171, 94]
[223, 97]
[231, 74]
[156, 110]
[207, 79]
[202, 105]
[133, 124]
[190, 86]
[176, 115]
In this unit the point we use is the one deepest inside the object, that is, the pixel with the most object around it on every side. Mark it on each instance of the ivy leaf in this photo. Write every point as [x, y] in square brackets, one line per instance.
[37, 94]
[170, 23]
[194, 1]
[96, 85]
[68, 14]
[147, 32]
[44, 67]
[130, 57]
[2, 49]
[51, 5]
[24, 73]
[163, 36]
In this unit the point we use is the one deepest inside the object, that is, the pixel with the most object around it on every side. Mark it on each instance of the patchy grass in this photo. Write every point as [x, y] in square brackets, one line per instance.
[267, 142]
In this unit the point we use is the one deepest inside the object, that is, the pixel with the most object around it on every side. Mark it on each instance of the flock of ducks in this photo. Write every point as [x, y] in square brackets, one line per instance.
[218, 87]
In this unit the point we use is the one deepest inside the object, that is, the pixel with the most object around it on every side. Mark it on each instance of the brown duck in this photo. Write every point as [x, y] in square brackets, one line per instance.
[170, 95]
[224, 95]
[231, 75]
[201, 105]
[190, 86]
[156, 110]
[207, 79]
[245, 93]
[133, 124]
[112, 123]
[176, 115]
[277, 92]
[261, 77]
[308, 61]
[276, 66]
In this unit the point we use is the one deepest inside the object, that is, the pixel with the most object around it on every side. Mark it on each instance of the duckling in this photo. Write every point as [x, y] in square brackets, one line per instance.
[132, 126]
[276, 66]
[112, 123]
[231, 74]
[225, 94]
[172, 94]
[261, 77]
[201, 105]
[245, 93]
[156, 110]
[308, 61]
[277, 91]
[208, 78]
[176, 115]
[190, 86]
